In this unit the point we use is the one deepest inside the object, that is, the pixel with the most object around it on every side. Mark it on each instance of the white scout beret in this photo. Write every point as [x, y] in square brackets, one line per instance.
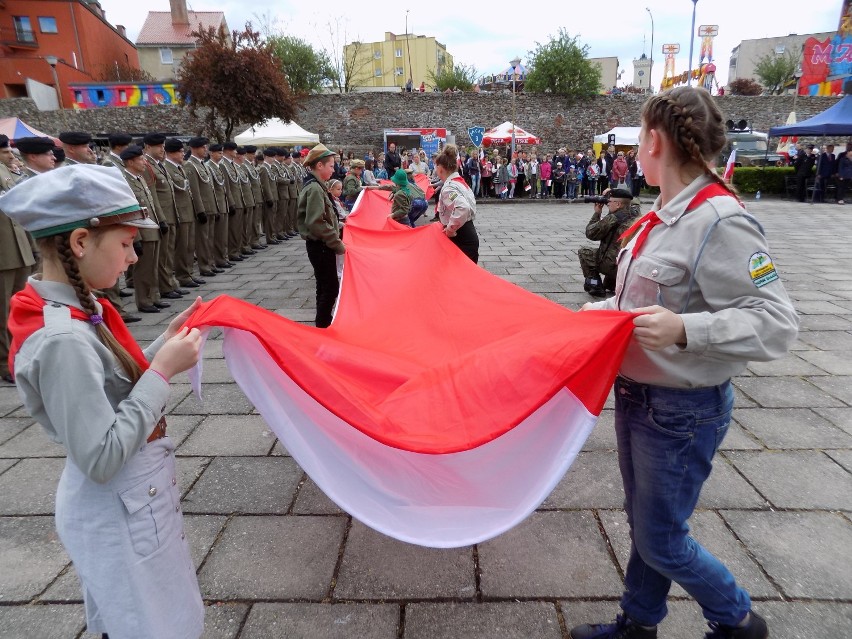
[73, 197]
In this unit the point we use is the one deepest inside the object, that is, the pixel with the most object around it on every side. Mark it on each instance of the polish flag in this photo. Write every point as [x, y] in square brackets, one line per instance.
[729, 167]
[443, 404]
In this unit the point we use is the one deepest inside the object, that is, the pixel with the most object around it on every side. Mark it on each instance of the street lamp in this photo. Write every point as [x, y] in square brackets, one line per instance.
[651, 71]
[515, 64]
[52, 60]
[691, 43]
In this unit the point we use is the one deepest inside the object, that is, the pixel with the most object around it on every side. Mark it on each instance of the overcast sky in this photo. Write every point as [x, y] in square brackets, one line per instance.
[489, 34]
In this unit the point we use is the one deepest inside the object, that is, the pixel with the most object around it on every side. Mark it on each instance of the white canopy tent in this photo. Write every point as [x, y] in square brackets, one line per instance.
[277, 131]
[624, 136]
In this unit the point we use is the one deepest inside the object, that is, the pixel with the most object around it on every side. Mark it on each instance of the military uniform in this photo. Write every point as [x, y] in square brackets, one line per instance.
[283, 185]
[204, 206]
[257, 194]
[219, 235]
[269, 184]
[601, 261]
[236, 204]
[293, 190]
[113, 294]
[157, 180]
[248, 207]
[185, 229]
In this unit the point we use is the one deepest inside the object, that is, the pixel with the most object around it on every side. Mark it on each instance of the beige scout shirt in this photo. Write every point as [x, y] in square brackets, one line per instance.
[712, 266]
[73, 386]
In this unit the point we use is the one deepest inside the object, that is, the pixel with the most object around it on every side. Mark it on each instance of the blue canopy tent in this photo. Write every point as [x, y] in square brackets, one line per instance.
[835, 120]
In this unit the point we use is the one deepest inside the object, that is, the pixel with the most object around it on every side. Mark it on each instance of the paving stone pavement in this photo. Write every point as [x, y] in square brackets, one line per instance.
[276, 558]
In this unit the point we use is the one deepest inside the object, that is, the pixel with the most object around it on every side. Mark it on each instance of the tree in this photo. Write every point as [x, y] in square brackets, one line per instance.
[236, 79]
[306, 70]
[351, 64]
[776, 71]
[460, 76]
[123, 72]
[561, 66]
[744, 86]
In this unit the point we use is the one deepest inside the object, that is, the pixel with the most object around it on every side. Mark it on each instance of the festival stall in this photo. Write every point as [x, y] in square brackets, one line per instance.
[623, 138]
[14, 128]
[502, 135]
[430, 140]
[275, 132]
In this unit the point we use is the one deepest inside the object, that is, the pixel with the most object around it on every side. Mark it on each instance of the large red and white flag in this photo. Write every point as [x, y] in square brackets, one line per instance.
[443, 404]
[729, 167]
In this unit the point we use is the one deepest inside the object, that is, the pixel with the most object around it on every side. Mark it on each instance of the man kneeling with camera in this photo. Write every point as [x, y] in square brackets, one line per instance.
[599, 265]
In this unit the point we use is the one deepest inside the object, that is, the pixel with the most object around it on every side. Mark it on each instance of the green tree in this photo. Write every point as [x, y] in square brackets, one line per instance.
[306, 70]
[776, 71]
[744, 86]
[460, 76]
[561, 66]
[236, 79]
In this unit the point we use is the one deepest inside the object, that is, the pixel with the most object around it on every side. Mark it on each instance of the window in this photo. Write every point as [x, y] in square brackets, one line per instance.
[378, 73]
[779, 50]
[398, 71]
[47, 24]
[23, 29]
[78, 96]
[99, 94]
[122, 95]
[399, 53]
[377, 55]
[166, 56]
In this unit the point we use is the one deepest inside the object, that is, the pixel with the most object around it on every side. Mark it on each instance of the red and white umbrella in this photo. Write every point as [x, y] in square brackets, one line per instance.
[502, 134]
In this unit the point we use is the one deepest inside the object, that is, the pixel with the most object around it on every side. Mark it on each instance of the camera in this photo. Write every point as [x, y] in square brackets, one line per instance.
[596, 199]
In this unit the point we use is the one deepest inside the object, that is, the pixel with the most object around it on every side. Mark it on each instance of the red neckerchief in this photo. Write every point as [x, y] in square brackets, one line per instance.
[26, 316]
[652, 219]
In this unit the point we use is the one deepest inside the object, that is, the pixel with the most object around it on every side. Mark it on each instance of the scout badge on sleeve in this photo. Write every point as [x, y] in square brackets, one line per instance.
[761, 269]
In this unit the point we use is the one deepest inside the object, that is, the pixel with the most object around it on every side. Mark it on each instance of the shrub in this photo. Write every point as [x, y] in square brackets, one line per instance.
[770, 179]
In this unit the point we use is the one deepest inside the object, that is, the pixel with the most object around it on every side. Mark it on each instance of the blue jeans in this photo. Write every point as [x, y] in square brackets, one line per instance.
[474, 184]
[667, 438]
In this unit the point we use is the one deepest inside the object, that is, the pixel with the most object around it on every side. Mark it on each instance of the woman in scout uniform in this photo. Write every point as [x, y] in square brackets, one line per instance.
[86, 381]
[456, 204]
[319, 227]
[698, 274]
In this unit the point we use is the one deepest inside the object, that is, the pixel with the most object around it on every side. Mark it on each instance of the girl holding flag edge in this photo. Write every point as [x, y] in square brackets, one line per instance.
[697, 273]
[456, 204]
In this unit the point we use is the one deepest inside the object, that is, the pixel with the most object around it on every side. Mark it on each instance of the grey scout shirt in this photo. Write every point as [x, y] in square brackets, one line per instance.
[711, 265]
[73, 386]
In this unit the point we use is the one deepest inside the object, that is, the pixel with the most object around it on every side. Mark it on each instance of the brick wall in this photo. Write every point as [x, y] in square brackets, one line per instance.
[355, 121]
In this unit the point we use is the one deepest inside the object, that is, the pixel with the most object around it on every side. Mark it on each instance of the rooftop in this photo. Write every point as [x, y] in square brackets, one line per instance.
[159, 29]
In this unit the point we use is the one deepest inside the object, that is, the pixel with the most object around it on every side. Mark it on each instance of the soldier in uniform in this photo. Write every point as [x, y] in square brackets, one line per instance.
[158, 182]
[283, 185]
[257, 193]
[203, 203]
[293, 190]
[268, 181]
[606, 230]
[248, 202]
[219, 232]
[185, 229]
[16, 256]
[76, 147]
[117, 143]
[145, 282]
[37, 154]
[236, 205]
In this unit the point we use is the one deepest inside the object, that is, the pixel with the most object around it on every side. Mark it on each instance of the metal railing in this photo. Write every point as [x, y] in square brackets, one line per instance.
[14, 37]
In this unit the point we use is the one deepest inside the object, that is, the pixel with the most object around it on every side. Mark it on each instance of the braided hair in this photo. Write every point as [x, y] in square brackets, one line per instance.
[60, 246]
[693, 123]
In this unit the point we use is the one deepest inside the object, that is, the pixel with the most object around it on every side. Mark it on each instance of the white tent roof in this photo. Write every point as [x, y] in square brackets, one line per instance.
[502, 134]
[623, 135]
[276, 131]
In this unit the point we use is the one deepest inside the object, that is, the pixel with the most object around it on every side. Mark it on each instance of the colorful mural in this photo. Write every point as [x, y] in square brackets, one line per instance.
[121, 94]
[827, 65]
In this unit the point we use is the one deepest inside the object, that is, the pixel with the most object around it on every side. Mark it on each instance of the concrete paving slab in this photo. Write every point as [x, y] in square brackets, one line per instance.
[832, 362]
[65, 589]
[188, 470]
[593, 481]
[726, 488]
[6, 464]
[32, 442]
[551, 554]
[217, 399]
[31, 556]
[779, 477]
[405, 571]
[11, 426]
[223, 620]
[273, 558]
[9, 400]
[840, 417]
[213, 371]
[256, 485]
[786, 392]
[787, 428]
[30, 487]
[312, 501]
[44, 622]
[603, 435]
[805, 553]
[824, 323]
[737, 438]
[202, 530]
[827, 340]
[789, 365]
[321, 621]
[684, 620]
[805, 620]
[180, 427]
[229, 435]
[508, 620]
[836, 386]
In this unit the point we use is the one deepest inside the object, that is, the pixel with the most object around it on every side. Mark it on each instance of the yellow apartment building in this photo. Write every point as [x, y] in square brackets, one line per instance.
[389, 63]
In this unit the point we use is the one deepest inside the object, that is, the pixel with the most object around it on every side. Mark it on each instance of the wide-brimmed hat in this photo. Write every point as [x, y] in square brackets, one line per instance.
[319, 152]
[74, 197]
[356, 164]
[399, 178]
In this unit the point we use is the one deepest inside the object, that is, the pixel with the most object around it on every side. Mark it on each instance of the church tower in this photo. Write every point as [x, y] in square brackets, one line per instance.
[642, 73]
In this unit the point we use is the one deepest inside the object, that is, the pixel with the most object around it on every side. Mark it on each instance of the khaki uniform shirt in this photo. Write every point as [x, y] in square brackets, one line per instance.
[245, 185]
[220, 188]
[159, 184]
[232, 180]
[181, 191]
[201, 185]
[146, 199]
[268, 182]
[317, 219]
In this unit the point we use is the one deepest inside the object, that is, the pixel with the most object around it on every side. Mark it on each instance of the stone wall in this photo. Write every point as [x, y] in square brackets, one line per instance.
[355, 121]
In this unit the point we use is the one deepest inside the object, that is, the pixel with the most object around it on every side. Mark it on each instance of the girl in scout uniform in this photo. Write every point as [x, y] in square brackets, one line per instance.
[86, 381]
[456, 204]
[699, 276]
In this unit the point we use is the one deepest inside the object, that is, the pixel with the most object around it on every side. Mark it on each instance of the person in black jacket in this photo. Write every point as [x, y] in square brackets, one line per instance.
[392, 160]
[827, 168]
[804, 165]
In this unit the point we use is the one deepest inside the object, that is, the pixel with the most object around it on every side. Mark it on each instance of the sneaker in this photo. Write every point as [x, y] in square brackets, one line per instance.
[623, 628]
[755, 629]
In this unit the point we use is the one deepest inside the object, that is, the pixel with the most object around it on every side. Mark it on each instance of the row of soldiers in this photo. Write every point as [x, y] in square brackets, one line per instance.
[212, 207]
